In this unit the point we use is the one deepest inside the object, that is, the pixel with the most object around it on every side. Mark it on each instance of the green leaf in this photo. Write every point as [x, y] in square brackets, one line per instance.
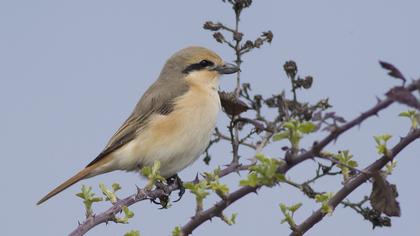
[283, 208]
[409, 113]
[352, 163]
[326, 209]
[264, 172]
[152, 174]
[230, 221]
[386, 137]
[404, 114]
[251, 180]
[110, 196]
[295, 207]
[127, 212]
[390, 167]
[127, 215]
[198, 189]
[89, 198]
[189, 185]
[381, 141]
[156, 167]
[281, 135]
[288, 212]
[132, 233]
[321, 198]
[116, 187]
[377, 139]
[291, 125]
[177, 231]
[413, 116]
[221, 189]
[324, 198]
[307, 127]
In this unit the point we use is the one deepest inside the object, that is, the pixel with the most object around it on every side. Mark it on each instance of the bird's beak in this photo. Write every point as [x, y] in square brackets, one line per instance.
[227, 68]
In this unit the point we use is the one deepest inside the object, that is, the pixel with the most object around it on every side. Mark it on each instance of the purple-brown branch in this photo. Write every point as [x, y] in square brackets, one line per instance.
[355, 182]
[218, 208]
[141, 195]
[110, 214]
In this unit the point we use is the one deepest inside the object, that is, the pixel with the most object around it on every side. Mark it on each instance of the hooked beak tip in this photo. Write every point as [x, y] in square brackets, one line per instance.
[227, 68]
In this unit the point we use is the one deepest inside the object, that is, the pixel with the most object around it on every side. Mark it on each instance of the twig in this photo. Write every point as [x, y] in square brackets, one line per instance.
[141, 195]
[318, 146]
[227, 138]
[355, 182]
[320, 174]
[109, 215]
[218, 208]
[324, 156]
[208, 214]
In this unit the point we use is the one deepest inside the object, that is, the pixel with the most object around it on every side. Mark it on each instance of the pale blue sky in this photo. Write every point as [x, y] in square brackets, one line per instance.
[71, 71]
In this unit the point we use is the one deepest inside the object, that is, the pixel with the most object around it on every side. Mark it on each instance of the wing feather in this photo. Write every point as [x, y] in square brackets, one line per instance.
[159, 98]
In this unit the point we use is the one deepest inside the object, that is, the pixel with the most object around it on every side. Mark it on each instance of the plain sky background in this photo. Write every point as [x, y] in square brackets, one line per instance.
[71, 71]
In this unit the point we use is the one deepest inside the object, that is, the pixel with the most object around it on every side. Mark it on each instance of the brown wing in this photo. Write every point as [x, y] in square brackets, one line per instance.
[159, 98]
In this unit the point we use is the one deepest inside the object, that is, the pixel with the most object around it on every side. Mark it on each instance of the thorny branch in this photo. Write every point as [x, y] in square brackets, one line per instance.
[287, 109]
[110, 214]
[141, 195]
[355, 182]
[208, 214]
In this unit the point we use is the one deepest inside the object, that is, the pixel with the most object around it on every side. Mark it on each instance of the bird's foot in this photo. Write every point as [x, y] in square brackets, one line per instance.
[164, 199]
[175, 179]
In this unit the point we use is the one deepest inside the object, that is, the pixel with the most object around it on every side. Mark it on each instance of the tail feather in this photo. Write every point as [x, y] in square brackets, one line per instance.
[76, 178]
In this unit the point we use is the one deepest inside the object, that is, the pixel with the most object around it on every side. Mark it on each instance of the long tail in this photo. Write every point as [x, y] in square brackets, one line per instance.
[76, 178]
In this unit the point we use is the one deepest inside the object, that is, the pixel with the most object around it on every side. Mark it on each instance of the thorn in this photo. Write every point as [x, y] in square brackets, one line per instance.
[138, 190]
[196, 179]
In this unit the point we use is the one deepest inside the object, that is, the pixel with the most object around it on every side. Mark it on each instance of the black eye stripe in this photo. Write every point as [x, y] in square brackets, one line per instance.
[198, 66]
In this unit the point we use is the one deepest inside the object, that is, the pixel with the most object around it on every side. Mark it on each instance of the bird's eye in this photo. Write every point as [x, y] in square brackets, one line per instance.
[198, 66]
[205, 63]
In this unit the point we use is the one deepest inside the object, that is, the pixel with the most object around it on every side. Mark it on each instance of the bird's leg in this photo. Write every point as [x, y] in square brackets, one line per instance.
[175, 179]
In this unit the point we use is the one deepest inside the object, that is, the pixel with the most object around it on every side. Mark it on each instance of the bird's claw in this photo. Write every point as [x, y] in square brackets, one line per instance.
[180, 184]
[164, 199]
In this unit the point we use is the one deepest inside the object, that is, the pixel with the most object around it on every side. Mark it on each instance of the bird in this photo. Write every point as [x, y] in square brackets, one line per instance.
[172, 122]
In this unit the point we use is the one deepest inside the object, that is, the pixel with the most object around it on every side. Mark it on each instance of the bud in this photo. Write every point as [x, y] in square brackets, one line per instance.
[268, 35]
[257, 102]
[237, 36]
[219, 37]
[246, 86]
[248, 44]
[209, 25]
[307, 82]
[290, 68]
[258, 42]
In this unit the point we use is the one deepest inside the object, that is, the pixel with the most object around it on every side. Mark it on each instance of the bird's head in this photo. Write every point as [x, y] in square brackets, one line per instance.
[196, 65]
